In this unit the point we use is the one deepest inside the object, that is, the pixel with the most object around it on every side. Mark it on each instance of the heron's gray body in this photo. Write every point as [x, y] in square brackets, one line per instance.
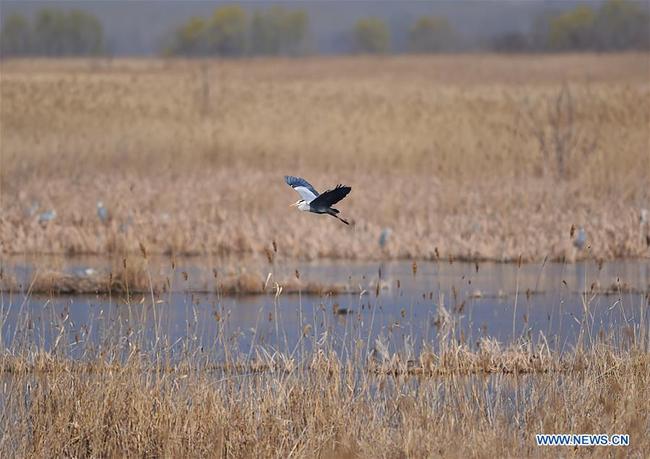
[314, 202]
[324, 210]
[102, 212]
[581, 239]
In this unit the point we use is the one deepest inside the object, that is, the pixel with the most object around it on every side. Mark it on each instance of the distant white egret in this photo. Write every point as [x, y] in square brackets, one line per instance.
[84, 272]
[384, 236]
[102, 212]
[581, 239]
[47, 216]
[314, 202]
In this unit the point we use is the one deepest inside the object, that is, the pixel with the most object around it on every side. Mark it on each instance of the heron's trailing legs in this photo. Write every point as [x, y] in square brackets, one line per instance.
[333, 213]
[344, 221]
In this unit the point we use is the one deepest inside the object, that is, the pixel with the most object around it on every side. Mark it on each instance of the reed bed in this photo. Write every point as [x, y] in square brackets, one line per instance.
[135, 274]
[247, 283]
[128, 390]
[320, 412]
[469, 157]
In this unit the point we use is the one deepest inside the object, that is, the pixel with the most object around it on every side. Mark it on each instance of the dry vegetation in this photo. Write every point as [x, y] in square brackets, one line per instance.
[128, 394]
[473, 157]
[481, 157]
[250, 283]
[138, 274]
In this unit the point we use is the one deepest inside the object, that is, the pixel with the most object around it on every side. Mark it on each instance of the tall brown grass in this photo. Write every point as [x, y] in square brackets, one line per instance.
[479, 157]
[130, 394]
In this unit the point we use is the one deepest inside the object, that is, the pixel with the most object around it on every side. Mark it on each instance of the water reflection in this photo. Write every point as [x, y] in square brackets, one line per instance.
[395, 301]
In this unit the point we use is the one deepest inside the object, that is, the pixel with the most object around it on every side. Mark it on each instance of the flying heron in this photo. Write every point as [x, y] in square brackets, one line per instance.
[314, 202]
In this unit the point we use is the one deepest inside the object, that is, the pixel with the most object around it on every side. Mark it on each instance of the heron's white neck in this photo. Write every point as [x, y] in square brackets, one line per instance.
[304, 206]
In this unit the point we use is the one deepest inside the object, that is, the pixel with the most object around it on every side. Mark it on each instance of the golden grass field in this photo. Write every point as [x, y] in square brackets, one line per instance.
[473, 156]
[478, 157]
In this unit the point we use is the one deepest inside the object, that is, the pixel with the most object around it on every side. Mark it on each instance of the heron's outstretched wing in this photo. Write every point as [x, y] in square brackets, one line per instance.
[331, 197]
[302, 186]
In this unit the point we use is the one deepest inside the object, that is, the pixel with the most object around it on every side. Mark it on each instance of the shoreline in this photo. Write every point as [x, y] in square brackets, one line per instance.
[162, 275]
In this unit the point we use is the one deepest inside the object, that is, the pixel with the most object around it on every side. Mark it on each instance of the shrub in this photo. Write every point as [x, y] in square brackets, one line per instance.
[431, 34]
[371, 35]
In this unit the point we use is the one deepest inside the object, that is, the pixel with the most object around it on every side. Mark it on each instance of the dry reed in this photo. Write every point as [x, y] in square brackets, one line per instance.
[133, 396]
[139, 280]
[474, 157]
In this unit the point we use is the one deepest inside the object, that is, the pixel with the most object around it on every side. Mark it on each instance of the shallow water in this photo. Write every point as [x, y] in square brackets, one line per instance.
[502, 301]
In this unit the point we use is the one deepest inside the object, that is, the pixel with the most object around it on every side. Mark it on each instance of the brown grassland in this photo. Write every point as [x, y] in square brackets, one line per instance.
[473, 157]
[477, 157]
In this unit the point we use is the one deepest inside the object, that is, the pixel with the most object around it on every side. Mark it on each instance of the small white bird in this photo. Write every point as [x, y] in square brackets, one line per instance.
[102, 212]
[84, 272]
[47, 216]
[581, 239]
[314, 202]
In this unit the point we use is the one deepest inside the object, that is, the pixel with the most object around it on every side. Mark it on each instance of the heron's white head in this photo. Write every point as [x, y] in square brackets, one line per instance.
[301, 205]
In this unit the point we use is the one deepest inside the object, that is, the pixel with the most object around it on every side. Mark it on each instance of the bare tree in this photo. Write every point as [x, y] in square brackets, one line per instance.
[563, 145]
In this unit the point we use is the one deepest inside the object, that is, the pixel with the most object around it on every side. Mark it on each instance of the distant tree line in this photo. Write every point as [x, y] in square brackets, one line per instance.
[429, 34]
[283, 31]
[615, 26]
[233, 31]
[52, 32]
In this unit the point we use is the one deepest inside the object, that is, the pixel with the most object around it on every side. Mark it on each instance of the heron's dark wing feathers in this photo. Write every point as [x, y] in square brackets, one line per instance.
[295, 182]
[331, 197]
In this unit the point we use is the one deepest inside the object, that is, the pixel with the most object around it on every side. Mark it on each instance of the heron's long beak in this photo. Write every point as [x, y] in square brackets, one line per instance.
[294, 204]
